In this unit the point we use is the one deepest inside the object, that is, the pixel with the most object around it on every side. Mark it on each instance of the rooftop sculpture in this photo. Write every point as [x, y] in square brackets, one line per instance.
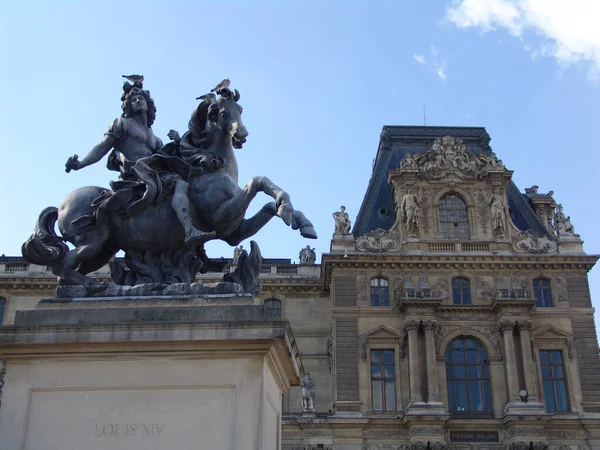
[168, 201]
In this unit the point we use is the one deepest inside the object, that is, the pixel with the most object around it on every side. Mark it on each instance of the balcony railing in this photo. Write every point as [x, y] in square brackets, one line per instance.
[454, 247]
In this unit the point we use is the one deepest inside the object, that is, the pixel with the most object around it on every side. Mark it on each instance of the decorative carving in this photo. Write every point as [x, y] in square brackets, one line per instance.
[307, 255]
[562, 224]
[494, 339]
[440, 335]
[362, 291]
[561, 290]
[528, 446]
[398, 291]
[411, 326]
[425, 196]
[237, 251]
[526, 431]
[342, 222]
[308, 393]
[525, 325]
[385, 434]
[410, 209]
[441, 288]
[2, 376]
[566, 434]
[499, 213]
[484, 290]
[457, 316]
[506, 325]
[385, 141]
[531, 242]
[449, 155]
[481, 197]
[379, 241]
[330, 355]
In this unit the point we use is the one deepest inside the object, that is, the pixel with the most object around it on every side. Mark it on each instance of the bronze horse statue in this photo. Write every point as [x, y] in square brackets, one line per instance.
[153, 238]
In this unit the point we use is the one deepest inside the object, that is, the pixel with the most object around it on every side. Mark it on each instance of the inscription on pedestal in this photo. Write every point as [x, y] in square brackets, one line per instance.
[128, 429]
[474, 436]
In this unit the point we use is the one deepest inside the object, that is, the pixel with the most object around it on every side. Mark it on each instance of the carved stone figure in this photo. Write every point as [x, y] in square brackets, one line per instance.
[408, 162]
[237, 251]
[308, 393]
[410, 208]
[498, 213]
[307, 255]
[562, 223]
[141, 213]
[342, 222]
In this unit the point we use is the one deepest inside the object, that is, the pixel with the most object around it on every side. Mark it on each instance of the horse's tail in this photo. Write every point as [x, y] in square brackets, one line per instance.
[44, 247]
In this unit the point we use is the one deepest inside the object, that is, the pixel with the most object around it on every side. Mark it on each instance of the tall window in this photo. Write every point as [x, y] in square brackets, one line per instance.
[468, 377]
[383, 380]
[554, 381]
[380, 294]
[273, 308]
[454, 221]
[542, 292]
[2, 308]
[461, 291]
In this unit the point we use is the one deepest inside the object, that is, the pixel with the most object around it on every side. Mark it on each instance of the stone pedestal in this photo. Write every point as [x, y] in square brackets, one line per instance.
[100, 375]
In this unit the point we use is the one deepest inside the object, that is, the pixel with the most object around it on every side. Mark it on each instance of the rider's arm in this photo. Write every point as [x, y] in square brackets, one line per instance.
[98, 151]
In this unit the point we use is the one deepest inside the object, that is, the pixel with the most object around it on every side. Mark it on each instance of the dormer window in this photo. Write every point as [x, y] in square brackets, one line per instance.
[454, 220]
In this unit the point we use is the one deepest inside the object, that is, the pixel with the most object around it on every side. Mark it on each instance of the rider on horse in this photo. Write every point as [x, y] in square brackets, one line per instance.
[147, 177]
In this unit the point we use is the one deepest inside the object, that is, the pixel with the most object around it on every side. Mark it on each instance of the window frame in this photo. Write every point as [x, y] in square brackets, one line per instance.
[445, 230]
[269, 305]
[486, 393]
[544, 288]
[462, 290]
[3, 305]
[553, 380]
[379, 289]
[384, 379]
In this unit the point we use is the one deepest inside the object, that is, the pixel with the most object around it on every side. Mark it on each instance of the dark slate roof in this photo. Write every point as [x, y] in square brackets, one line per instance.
[395, 143]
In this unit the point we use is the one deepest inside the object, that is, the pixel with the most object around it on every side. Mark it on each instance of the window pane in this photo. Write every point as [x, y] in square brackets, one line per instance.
[385, 300]
[458, 357]
[476, 396]
[451, 402]
[487, 396]
[375, 356]
[390, 396]
[460, 372]
[377, 397]
[558, 372]
[546, 372]
[383, 282]
[556, 357]
[462, 396]
[453, 217]
[474, 372]
[561, 396]
[549, 394]
[374, 297]
[388, 357]
[472, 357]
[375, 282]
[388, 371]
[544, 357]
[376, 371]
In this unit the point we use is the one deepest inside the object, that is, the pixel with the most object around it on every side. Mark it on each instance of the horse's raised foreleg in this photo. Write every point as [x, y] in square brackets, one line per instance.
[282, 198]
[249, 227]
[300, 222]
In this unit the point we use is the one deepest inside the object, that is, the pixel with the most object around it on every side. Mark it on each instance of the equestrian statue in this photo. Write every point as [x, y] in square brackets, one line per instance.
[168, 202]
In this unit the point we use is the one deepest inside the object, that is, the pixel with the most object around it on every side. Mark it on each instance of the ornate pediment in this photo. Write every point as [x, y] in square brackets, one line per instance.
[449, 156]
[381, 331]
[550, 332]
[531, 242]
[379, 241]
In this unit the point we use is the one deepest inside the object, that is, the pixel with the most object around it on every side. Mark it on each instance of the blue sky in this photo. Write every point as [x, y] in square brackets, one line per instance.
[318, 81]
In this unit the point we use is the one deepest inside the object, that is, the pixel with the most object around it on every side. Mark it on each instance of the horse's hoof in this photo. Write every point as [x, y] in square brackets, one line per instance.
[285, 211]
[308, 232]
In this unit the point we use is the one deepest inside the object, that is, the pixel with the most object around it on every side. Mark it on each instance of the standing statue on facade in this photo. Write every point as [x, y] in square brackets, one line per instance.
[410, 208]
[308, 393]
[237, 251]
[499, 213]
[562, 223]
[307, 255]
[342, 222]
[167, 202]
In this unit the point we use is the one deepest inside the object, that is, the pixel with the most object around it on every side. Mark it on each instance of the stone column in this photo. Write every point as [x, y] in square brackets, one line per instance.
[512, 377]
[432, 383]
[528, 366]
[413, 362]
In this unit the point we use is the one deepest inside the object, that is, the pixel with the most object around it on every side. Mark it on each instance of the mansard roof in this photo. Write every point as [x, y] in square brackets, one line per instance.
[398, 141]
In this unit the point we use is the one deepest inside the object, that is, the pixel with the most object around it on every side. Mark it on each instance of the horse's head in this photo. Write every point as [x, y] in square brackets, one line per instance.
[226, 115]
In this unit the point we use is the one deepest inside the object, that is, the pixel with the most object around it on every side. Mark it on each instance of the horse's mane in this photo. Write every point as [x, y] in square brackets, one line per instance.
[198, 135]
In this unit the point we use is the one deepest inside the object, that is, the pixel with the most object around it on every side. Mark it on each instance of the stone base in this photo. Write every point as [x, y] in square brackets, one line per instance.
[206, 377]
[423, 409]
[342, 243]
[533, 407]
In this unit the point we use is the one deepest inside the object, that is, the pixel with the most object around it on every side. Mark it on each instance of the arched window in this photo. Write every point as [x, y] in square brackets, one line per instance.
[454, 221]
[461, 291]
[542, 293]
[273, 308]
[380, 294]
[468, 377]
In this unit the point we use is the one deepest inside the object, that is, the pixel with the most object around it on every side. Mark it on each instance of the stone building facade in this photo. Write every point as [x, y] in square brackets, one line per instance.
[455, 315]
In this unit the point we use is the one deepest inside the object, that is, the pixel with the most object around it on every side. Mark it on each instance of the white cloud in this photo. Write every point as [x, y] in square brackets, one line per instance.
[434, 64]
[568, 30]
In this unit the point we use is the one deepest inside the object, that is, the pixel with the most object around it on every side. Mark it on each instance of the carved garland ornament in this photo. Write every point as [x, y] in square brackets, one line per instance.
[379, 241]
[449, 156]
[531, 242]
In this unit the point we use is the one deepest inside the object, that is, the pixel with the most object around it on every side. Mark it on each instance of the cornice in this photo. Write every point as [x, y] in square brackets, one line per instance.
[354, 261]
